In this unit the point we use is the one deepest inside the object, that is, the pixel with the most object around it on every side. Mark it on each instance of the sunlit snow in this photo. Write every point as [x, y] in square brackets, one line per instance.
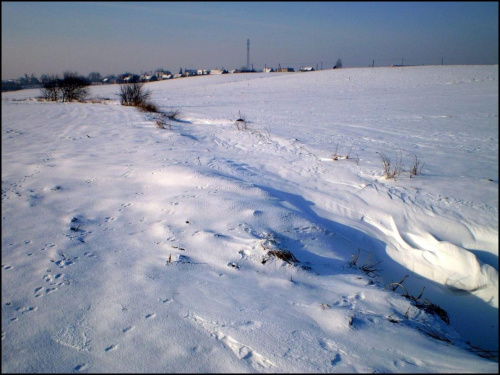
[131, 248]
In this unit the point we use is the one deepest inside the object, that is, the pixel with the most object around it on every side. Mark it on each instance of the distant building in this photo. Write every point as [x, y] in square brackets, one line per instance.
[218, 71]
[109, 80]
[162, 74]
[284, 70]
[268, 70]
[147, 78]
[307, 69]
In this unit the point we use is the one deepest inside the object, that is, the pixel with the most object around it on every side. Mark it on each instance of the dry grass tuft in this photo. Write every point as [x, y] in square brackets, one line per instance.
[285, 255]
[392, 170]
[425, 305]
[241, 122]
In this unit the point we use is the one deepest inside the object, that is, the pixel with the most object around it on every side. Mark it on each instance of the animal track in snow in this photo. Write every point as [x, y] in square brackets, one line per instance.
[244, 352]
[124, 205]
[111, 348]
[81, 367]
[349, 301]
[128, 329]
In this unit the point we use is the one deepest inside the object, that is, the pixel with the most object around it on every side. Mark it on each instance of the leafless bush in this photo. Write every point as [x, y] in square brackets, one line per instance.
[73, 87]
[133, 94]
[50, 90]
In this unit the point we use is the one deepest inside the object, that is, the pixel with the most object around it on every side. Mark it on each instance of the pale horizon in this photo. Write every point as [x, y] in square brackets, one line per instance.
[116, 37]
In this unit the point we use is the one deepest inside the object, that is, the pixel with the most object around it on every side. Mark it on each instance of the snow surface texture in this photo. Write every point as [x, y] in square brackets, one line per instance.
[131, 248]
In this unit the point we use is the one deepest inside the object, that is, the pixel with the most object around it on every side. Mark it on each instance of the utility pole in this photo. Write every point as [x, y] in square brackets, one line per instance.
[321, 65]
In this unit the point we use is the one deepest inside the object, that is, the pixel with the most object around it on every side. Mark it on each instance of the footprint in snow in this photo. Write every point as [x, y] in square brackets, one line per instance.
[81, 367]
[128, 329]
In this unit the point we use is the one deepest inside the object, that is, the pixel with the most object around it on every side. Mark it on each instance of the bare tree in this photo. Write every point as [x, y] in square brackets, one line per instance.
[94, 77]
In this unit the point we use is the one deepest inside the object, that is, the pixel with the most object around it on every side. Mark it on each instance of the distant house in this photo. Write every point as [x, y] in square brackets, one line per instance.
[166, 76]
[190, 72]
[109, 80]
[147, 78]
[268, 70]
[307, 69]
[218, 71]
[178, 75]
[162, 74]
[284, 70]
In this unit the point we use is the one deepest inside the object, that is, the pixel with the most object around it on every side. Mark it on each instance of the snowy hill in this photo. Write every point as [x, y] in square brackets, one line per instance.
[204, 248]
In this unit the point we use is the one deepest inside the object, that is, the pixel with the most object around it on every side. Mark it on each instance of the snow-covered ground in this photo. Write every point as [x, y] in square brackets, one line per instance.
[131, 248]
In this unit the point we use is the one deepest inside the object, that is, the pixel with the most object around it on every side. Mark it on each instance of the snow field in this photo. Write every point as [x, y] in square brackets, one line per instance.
[129, 248]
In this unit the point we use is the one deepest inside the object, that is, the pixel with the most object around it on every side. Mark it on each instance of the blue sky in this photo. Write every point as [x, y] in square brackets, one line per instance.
[115, 37]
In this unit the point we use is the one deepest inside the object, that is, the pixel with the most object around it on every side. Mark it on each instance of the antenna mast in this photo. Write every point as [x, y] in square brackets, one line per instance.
[248, 54]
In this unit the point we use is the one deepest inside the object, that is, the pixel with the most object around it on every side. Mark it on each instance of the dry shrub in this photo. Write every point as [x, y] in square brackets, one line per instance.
[426, 305]
[416, 167]
[148, 106]
[392, 170]
[241, 122]
[133, 94]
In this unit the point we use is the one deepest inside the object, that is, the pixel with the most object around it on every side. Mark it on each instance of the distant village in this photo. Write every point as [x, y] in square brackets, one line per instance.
[95, 78]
